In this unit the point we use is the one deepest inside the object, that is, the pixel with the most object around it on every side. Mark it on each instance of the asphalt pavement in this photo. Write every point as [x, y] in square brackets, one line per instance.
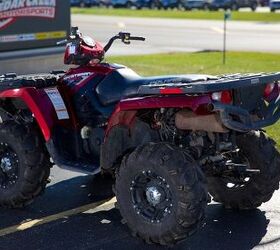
[172, 35]
[48, 224]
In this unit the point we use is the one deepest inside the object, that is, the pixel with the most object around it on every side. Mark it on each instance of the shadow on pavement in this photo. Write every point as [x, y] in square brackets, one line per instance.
[61, 196]
[102, 230]
[226, 229]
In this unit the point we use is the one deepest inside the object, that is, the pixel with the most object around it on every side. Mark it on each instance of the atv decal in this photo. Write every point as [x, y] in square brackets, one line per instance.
[255, 81]
[77, 79]
[58, 103]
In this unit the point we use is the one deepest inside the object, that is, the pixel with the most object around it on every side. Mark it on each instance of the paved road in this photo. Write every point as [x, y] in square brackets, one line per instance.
[169, 35]
[259, 9]
[101, 228]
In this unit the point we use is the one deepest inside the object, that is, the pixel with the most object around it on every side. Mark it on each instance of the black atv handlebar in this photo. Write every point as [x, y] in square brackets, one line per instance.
[75, 34]
[124, 37]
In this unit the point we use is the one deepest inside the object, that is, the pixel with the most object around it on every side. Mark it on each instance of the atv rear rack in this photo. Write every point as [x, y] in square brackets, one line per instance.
[237, 116]
[220, 83]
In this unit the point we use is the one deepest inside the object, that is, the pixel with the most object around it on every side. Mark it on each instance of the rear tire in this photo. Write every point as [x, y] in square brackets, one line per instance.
[153, 6]
[180, 6]
[261, 154]
[128, 5]
[180, 208]
[234, 7]
[206, 6]
[25, 165]
[254, 6]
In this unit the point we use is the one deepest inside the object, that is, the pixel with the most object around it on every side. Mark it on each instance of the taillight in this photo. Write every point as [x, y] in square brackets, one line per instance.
[170, 91]
[268, 89]
[271, 91]
[223, 96]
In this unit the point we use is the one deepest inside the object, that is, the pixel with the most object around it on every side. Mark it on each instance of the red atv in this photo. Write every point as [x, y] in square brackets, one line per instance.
[167, 140]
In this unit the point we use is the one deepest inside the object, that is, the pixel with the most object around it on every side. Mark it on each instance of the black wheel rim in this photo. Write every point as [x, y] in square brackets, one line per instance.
[9, 166]
[151, 196]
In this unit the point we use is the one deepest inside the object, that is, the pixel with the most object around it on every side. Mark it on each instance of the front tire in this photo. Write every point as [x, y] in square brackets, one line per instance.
[254, 6]
[161, 193]
[129, 5]
[206, 6]
[234, 7]
[261, 154]
[153, 6]
[25, 165]
[82, 4]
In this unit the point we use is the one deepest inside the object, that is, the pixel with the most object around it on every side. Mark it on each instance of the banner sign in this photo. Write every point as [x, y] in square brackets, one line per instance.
[33, 23]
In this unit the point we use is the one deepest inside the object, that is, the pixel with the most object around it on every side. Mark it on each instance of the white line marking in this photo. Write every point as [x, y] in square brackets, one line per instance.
[218, 30]
[96, 206]
[121, 25]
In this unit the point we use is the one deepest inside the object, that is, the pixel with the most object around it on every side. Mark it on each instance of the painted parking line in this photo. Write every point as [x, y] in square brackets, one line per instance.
[218, 30]
[121, 25]
[96, 206]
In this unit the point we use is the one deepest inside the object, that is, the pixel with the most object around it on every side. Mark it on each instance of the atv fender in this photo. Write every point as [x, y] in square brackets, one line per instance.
[126, 110]
[38, 102]
[125, 131]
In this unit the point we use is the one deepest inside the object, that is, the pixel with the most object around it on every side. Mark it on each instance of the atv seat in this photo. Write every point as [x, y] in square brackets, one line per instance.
[125, 83]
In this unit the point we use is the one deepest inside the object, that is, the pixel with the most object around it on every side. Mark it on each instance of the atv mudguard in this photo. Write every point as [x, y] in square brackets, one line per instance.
[126, 110]
[37, 101]
[31, 90]
[125, 131]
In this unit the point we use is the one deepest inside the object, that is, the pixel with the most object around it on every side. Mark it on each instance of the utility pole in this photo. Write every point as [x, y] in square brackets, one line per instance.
[227, 16]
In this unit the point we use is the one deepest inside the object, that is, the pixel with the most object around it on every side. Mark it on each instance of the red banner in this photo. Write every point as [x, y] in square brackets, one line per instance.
[44, 12]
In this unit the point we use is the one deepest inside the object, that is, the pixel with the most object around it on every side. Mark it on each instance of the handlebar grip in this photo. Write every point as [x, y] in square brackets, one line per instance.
[62, 42]
[137, 38]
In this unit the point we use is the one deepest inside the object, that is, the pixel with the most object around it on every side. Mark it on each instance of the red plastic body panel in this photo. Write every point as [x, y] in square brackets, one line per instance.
[99, 69]
[96, 53]
[126, 110]
[39, 104]
[192, 102]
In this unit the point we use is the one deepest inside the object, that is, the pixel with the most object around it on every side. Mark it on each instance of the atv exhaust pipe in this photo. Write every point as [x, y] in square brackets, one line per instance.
[188, 120]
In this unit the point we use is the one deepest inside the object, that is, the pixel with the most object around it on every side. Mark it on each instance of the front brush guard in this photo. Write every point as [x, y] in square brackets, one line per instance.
[239, 119]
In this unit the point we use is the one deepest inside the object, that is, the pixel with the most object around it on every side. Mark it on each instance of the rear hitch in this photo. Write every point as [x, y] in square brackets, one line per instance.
[241, 169]
[219, 166]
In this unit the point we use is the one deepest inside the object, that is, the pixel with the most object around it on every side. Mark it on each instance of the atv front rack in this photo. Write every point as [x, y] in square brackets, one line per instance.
[220, 83]
[12, 81]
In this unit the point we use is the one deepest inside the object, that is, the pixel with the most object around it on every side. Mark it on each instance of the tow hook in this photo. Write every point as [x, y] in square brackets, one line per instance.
[241, 169]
